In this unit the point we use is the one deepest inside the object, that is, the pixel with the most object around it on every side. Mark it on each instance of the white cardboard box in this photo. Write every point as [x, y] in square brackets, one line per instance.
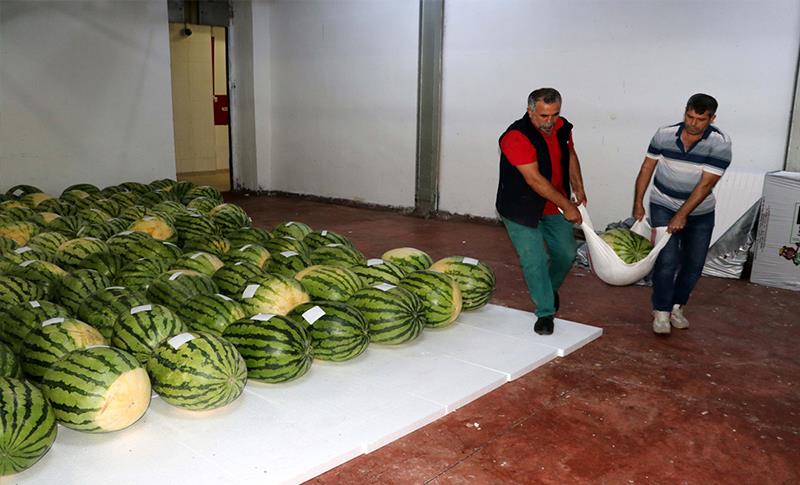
[777, 249]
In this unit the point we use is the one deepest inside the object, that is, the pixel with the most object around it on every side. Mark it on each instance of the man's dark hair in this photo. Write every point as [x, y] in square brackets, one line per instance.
[545, 95]
[701, 103]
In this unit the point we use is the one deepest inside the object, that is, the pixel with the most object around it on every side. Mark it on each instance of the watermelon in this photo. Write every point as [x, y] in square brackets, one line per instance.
[140, 329]
[475, 279]
[27, 428]
[158, 227]
[105, 263]
[203, 191]
[233, 277]
[297, 230]
[394, 314]
[149, 248]
[197, 371]
[275, 348]
[108, 206]
[329, 283]
[320, 238]
[22, 214]
[18, 231]
[78, 198]
[338, 331]
[93, 215]
[102, 309]
[253, 253]
[155, 197]
[376, 271]
[48, 241]
[199, 261]
[69, 226]
[138, 274]
[121, 242]
[249, 235]
[174, 287]
[7, 244]
[230, 217]
[18, 191]
[15, 290]
[440, 295]
[9, 364]
[194, 225]
[29, 253]
[72, 252]
[102, 230]
[180, 189]
[136, 187]
[162, 184]
[409, 259]
[124, 200]
[336, 254]
[78, 286]
[210, 313]
[83, 187]
[34, 199]
[202, 204]
[272, 293]
[97, 390]
[287, 263]
[18, 320]
[44, 274]
[135, 213]
[214, 244]
[55, 206]
[629, 246]
[54, 339]
[170, 208]
[285, 243]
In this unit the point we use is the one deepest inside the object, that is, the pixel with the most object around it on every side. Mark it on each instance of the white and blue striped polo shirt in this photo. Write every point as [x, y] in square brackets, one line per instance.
[679, 171]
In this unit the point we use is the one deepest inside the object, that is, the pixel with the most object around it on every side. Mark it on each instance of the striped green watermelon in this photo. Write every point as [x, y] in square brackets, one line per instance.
[7, 244]
[409, 259]
[18, 320]
[20, 190]
[48, 241]
[199, 261]
[297, 230]
[143, 327]
[329, 283]
[93, 215]
[15, 290]
[29, 253]
[78, 286]
[440, 295]
[150, 249]
[105, 263]
[121, 242]
[157, 226]
[215, 244]
[170, 208]
[174, 287]
[286, 243]
[138, 274]
[376, 271]
[78, 198]
[203, 191]
[33, 200]
[272, 293]
[27, 428]
[162, 184]
[136, 187]
[629, 246]
[155, 197]
[55, 206]
[475, 279]
[67, 225]
[72, 252]
[316, 239]
[102, 308]
[101, 230]
[197, 371]
[394, 314]
[194, 225]
[210, 313]
[182, 188]
[19, 231]
[287, 263]
[251, 252]
[135, 212]
[44, 274]
[83, 187]
[9, 364]
[233, 277]
[97, 389]
[22, 214]
[335, 254]
[338, 331]
[202, 204]
[230, 217]
[249, 235]
[111, 190]
[275, 348]
[109, 206]
[54, 339]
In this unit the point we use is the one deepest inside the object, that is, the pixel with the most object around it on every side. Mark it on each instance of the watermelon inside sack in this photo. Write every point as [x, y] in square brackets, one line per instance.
[629, 246]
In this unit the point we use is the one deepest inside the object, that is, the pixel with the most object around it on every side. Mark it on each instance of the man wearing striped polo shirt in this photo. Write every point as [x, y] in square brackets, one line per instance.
[688, 159]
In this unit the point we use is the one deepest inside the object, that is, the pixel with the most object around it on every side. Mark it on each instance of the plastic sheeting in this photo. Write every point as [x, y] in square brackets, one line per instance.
[726, 257]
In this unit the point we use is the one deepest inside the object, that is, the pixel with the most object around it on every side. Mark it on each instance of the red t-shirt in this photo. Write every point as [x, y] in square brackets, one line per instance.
[519, 151]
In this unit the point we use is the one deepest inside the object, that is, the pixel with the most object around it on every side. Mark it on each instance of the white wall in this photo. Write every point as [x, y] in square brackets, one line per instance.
[84, 93]
[624, 67]
[338, 81]
[242, 97]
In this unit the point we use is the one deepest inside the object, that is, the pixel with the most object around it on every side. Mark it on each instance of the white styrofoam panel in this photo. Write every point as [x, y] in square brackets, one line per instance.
[736, 192]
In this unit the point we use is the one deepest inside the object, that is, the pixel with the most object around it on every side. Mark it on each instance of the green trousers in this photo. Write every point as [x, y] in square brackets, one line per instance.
[546, 254]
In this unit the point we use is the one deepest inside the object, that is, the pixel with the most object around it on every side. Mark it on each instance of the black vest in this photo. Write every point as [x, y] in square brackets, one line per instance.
[516, 200]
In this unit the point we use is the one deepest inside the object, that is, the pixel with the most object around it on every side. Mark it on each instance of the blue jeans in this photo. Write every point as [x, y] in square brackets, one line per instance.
[680, 263]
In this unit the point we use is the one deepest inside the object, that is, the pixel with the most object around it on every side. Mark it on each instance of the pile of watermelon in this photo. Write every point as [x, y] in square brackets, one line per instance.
[108, 295]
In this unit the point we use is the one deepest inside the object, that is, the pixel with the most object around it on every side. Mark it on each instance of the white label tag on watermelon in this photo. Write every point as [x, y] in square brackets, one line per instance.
[250, 291]
[148, 218]
[141, 308]
[52, 321]
[97, 346]
[115, 288]
[262, 317]
[34, 304]
[224, 297]
[238, 263]
[91, 239]
[289, 237]
[124, 233]
[18, 192]
[470, 261]
[175, 275]
[245, 247]
[179, 340]
[23, 249]
[333, 245]
[165, 243]
[384, 287]
[324, 233]
[313, 314]
[288, 254]
[374, 261]
[290, 223]
[195, 255]
[27, 263]
[194, 213]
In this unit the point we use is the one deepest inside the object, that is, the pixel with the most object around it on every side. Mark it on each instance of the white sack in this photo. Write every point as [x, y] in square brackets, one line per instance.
[608, 266]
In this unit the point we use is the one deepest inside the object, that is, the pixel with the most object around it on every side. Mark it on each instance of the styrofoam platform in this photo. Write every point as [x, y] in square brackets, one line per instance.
[289, 433]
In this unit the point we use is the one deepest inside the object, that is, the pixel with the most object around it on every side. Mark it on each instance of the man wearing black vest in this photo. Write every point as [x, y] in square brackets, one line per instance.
[538, 167]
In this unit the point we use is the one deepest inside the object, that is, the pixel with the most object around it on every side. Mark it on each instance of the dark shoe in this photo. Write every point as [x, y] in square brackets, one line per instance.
[544, 325]
[556, 301]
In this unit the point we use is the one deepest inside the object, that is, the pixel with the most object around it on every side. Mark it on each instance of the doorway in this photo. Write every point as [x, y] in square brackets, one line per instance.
[198, 63]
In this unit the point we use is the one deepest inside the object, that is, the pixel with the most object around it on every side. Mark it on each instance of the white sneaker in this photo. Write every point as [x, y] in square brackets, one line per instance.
[677, 319]
[661, 322]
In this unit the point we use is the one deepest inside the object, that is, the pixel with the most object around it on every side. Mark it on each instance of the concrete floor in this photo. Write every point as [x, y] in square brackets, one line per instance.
[718, 403]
